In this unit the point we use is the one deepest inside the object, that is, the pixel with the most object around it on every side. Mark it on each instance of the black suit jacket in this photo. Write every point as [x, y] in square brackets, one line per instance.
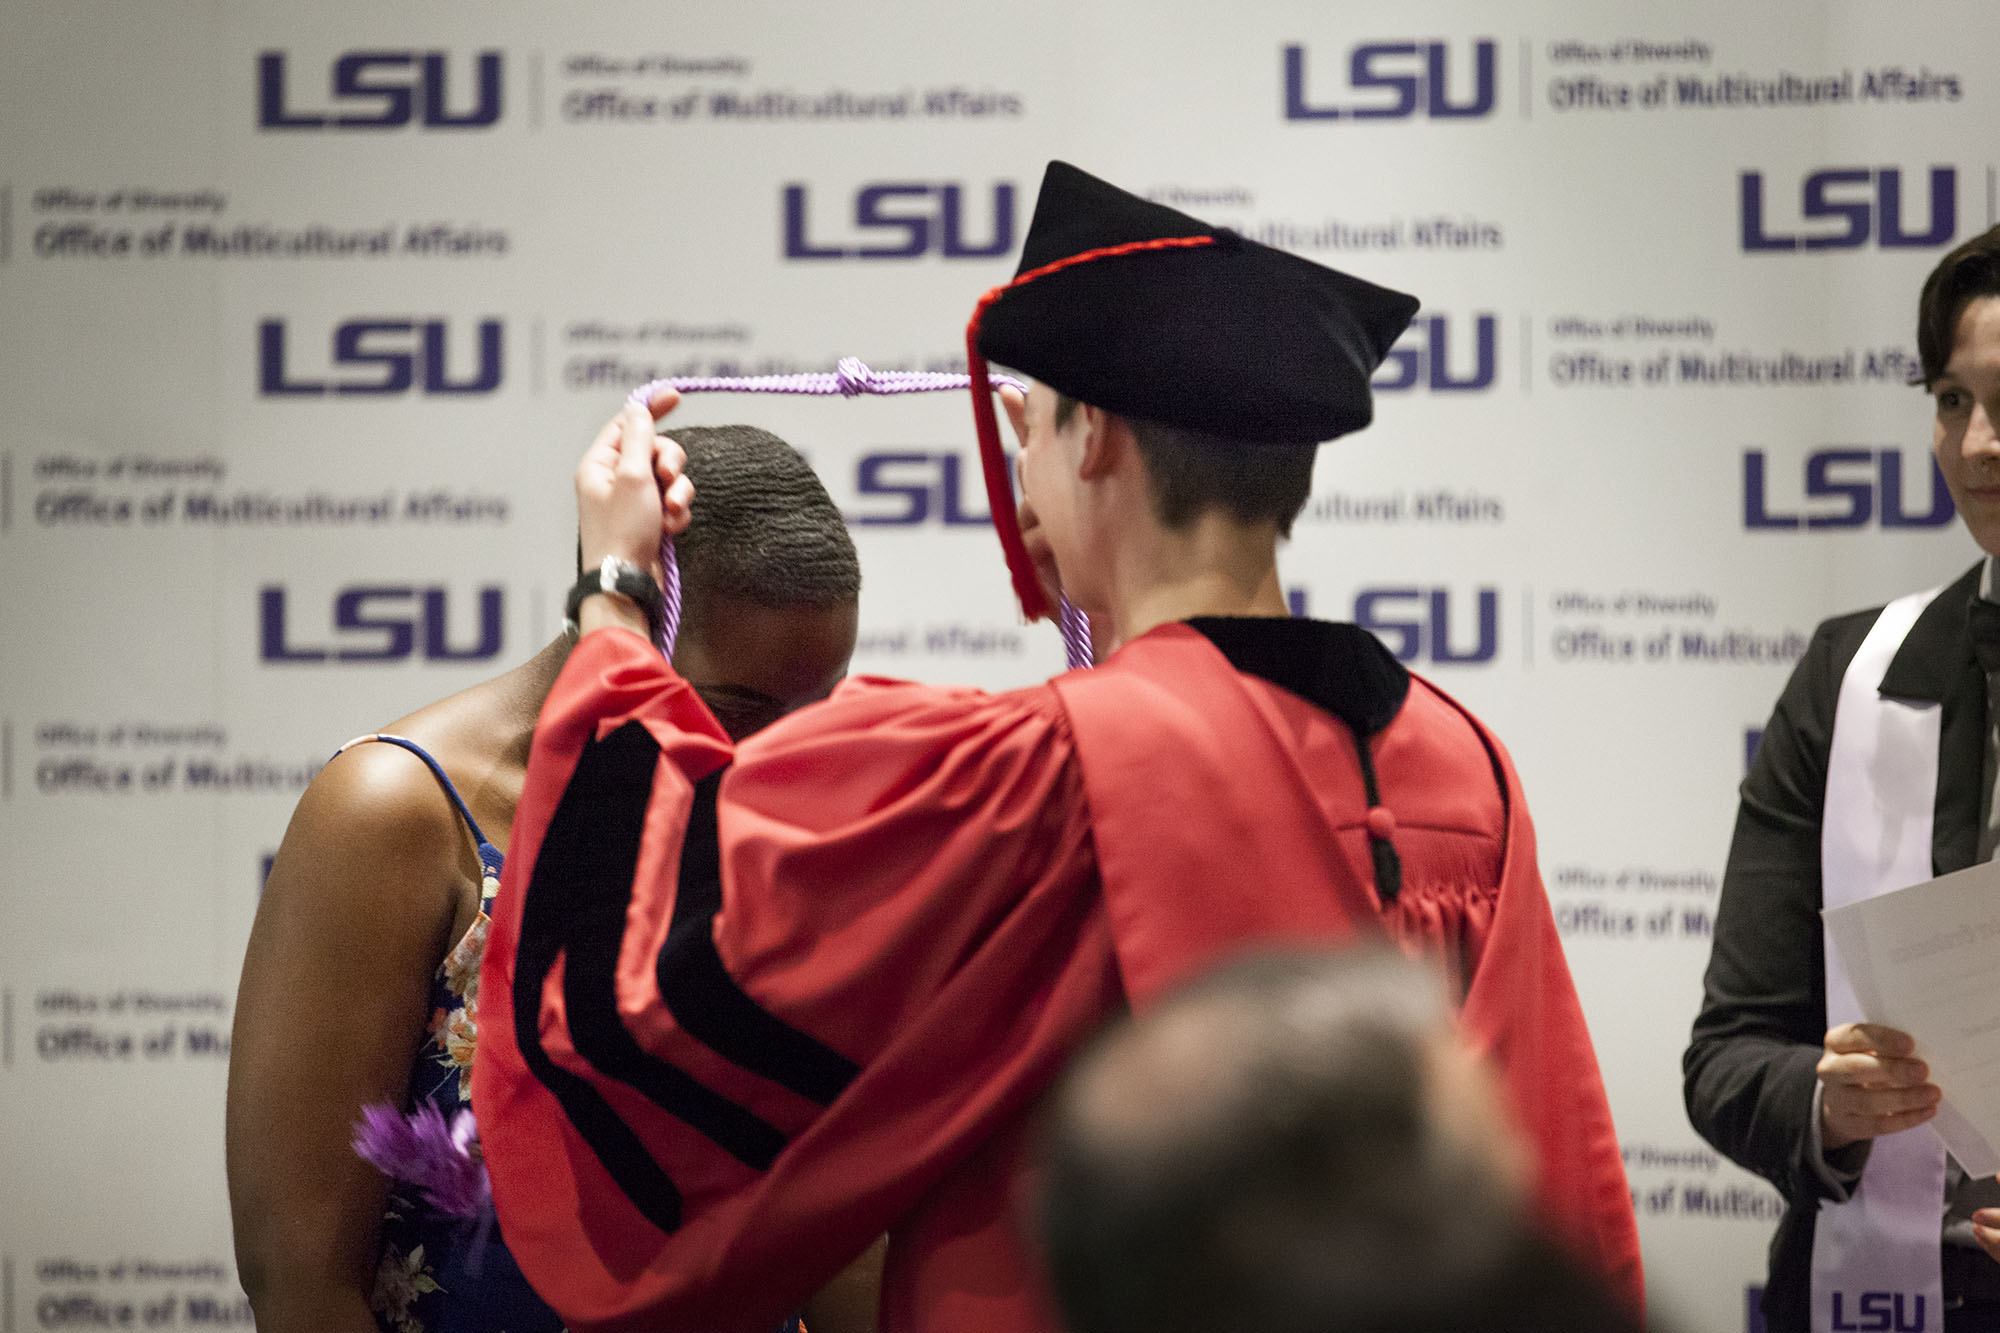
[1748, 1073]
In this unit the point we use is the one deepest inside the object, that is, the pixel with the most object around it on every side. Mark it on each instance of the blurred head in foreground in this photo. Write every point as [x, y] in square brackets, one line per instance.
[1295, 1143]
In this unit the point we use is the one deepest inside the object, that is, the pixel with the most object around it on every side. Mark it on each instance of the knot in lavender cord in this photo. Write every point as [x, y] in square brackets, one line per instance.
[852, 377]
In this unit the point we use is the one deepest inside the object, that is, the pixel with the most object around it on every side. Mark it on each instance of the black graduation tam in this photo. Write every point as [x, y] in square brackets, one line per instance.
[1232, 337]
[1144, 311]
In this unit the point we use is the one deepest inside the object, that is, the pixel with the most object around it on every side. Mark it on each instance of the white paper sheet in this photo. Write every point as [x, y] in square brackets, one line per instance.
[1926, 959]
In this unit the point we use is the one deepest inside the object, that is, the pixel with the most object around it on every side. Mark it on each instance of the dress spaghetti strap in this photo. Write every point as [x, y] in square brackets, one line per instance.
[489, 855]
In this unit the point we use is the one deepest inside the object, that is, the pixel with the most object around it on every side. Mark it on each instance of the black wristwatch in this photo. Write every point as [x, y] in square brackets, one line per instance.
[627, 580]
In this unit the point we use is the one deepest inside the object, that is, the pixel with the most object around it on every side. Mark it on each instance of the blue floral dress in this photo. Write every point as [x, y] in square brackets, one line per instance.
[439, 1273]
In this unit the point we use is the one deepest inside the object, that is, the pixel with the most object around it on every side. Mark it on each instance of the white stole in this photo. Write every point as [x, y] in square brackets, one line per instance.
[1875, 1257]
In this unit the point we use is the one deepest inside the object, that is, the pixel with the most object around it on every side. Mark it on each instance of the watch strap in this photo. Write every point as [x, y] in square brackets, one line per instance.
[627, 580]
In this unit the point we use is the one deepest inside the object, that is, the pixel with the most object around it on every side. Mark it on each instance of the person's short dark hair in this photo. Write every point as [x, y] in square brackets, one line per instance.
[764, 528]
[1263, 1153]
[1961, 277]
[1195, 471]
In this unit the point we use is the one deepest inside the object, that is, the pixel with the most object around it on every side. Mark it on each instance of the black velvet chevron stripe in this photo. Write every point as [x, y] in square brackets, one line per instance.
[594, 907]
[591, 840]
[577, 907]
[706, 1001]
[651, 1190]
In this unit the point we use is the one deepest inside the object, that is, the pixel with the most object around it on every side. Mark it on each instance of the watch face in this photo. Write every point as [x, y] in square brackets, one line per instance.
[625, 579]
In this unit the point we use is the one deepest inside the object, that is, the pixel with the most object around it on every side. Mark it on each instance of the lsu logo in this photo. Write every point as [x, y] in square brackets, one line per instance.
[906, 220]
[1421, 625]
[384, 90]
[911, 488]
[383, 623]
[1845, 488]
[1397, 81]
[1843, 208]
[1879, 1312]
[1423, 358]
[383, 358]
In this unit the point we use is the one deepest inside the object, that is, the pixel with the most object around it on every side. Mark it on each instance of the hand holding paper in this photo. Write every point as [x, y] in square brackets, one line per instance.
[1986, 1230]
[1871, 1084]
[1922, 962]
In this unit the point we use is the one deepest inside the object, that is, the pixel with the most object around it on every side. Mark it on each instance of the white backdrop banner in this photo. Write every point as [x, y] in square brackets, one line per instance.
[306, 313]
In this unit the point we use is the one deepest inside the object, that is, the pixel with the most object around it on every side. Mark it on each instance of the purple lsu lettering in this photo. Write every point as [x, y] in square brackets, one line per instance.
[1862, 485]
[1396, 81]
[1866, 202]
[1879, 1312]
[924, 486]
[382, 90]
[391, 355]
[1422, 357]
[904, 220]
[1416, 624]
[377, 623]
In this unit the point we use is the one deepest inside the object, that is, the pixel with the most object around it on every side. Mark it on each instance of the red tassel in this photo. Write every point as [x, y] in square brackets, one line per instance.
[999, 486]
[993, 460]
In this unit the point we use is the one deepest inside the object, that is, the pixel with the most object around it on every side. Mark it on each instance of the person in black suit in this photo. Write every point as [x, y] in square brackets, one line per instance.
[1771, 1078]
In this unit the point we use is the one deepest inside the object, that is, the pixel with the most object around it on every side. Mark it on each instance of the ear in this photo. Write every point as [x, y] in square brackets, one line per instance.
[1107, 442]
[1016, 404]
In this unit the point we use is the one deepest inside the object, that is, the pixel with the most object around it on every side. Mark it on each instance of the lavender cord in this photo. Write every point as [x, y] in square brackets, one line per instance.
[850, 378]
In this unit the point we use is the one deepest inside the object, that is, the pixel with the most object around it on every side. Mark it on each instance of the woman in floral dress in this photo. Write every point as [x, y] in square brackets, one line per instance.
[386, 870]
[360, 985]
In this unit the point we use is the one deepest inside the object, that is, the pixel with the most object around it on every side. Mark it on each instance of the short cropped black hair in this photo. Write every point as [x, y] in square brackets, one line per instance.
[764, 528]
[1194, 471]
[1961, 277]
[1297, 1177]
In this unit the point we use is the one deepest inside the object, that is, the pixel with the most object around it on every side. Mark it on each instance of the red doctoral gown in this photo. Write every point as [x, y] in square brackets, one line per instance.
[745, 1010]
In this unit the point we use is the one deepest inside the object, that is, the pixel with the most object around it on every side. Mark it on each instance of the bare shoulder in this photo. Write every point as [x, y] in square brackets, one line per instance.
[379, 818]
[380, 813]
[378, 793]
[373, 833]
